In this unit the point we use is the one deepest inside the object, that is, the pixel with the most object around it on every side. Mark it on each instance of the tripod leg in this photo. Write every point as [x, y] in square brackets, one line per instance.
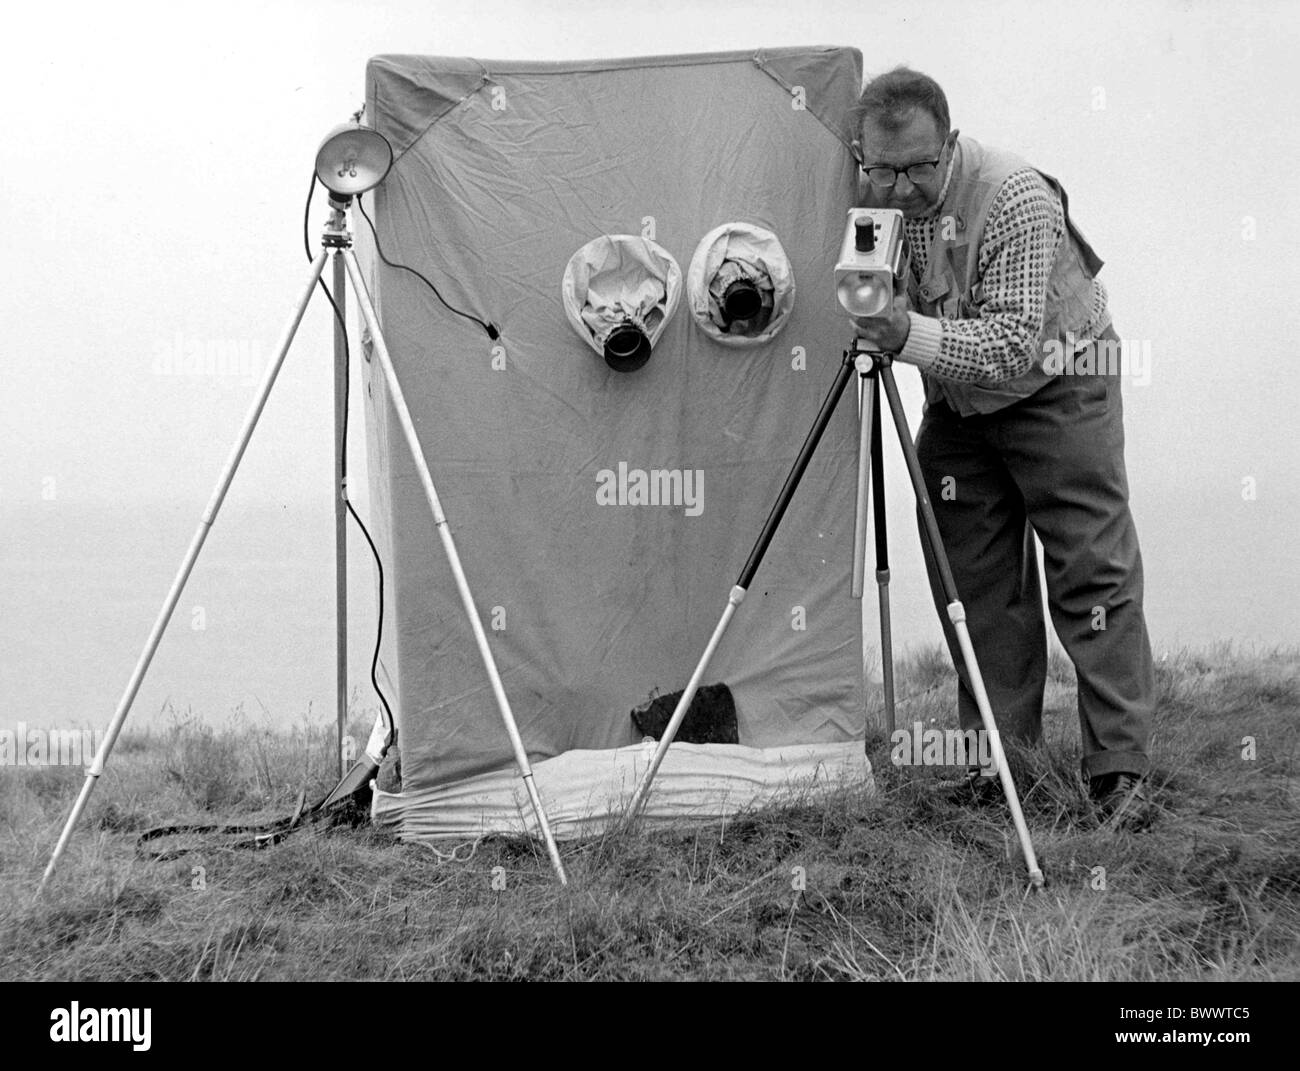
[882, 557]
[866, 423]
[957, 615]
[746, 577]
[453, 558]
[178, 584]
[340, 513]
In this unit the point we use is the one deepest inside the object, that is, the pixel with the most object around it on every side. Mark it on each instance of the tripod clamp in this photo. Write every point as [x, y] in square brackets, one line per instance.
[867, 361]
[336, 234]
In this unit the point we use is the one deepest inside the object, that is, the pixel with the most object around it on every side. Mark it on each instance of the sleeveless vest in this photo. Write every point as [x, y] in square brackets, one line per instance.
[950, 286]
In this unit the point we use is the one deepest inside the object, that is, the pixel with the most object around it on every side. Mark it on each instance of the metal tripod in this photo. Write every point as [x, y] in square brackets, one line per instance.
[338, 239]
[876, 370]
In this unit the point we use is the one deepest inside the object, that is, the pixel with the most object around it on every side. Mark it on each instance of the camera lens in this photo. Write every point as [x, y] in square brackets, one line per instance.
[741, 300]
[626, 348]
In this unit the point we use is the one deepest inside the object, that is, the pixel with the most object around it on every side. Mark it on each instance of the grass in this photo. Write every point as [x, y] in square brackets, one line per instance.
[901, 885]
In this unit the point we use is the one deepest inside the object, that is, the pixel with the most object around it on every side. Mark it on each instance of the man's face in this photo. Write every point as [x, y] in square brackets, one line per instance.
[917, 141]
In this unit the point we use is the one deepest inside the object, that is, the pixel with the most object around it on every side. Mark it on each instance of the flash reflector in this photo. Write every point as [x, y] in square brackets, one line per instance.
[873, 261]
[352, 159]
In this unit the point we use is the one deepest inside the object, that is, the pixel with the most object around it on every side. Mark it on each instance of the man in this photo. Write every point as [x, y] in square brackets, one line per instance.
[1002, 295]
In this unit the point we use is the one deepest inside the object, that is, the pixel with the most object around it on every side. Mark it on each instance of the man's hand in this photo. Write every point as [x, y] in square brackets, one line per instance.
[886, 333]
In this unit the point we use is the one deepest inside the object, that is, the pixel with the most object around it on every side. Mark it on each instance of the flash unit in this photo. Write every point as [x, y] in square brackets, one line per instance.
[873, 261]
[352, 159]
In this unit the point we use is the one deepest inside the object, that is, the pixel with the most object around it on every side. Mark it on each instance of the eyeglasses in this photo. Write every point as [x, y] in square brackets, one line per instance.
[886, 177]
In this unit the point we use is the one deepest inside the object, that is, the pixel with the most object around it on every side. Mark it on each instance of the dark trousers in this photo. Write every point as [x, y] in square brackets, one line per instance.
[1051, 464]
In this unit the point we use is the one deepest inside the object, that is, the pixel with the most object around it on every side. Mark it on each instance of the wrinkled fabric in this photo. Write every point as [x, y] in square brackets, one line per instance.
[588, 792]
[740, 251]
[602, 518]
[616, 279]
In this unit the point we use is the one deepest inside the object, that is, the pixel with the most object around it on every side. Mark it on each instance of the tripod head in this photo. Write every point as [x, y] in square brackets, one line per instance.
[336, 234]
[866, 360]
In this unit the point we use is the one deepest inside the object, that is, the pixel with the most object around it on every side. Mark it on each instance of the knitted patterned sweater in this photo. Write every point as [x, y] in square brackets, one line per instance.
[1024, 230]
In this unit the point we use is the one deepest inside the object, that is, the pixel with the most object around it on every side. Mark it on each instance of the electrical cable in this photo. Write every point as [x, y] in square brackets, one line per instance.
[491, 329]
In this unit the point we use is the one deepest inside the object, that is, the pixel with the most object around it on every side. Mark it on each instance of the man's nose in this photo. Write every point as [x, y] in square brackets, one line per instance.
[904, 185]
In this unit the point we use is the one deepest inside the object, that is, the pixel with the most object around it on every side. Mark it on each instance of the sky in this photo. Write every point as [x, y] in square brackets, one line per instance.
[155, 159]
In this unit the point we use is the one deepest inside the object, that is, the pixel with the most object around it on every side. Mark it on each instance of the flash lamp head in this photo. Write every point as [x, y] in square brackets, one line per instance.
[873, 262]
[352, 159]
[864, 294]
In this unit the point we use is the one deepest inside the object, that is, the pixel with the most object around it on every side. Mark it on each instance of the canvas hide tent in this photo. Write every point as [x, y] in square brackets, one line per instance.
[595, 593]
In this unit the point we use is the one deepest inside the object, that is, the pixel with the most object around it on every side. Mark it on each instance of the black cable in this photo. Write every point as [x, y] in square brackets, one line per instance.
[343, 462]
[491, 330]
